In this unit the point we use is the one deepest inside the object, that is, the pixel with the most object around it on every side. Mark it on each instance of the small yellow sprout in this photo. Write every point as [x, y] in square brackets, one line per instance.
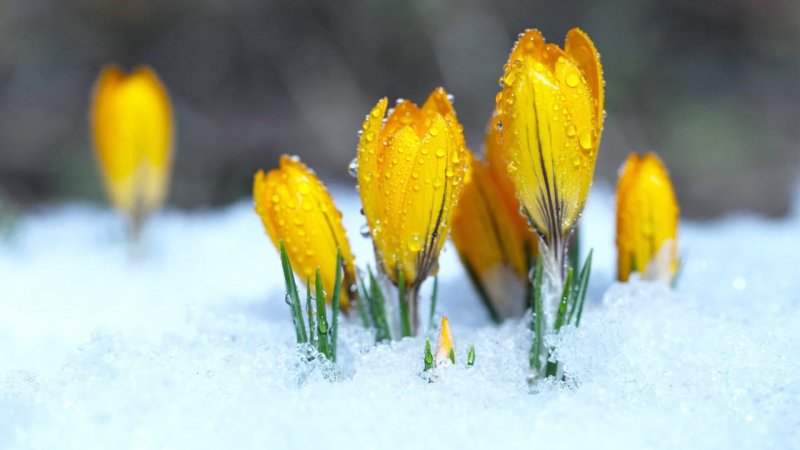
[444, 349]
[647, 220]
[411, 169]
[132, 128]
[295, 208]
[550, 118]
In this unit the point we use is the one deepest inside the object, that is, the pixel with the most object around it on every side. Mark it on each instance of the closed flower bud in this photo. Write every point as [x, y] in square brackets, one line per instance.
[296, 208]
[132, 127]
[444, 349]
[647, 220]
[411, 169]
[550, 118]
[494, 241]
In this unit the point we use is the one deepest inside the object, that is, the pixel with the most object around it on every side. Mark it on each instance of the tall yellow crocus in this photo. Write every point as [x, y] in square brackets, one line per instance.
[411, 169]
[647, 220]
[493, 240]
[295, 208]
[550, 118]
[132, 127]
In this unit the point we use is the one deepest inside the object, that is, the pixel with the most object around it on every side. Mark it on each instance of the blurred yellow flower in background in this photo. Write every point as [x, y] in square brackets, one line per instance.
[295, 207]
[411, 169]
[647, 220]
[550, 118]
[493, 239]
[132, 128]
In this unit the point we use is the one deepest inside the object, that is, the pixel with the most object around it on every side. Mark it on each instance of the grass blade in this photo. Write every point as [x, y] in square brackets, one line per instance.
[312, 327]
[377, 304]
[336, 304]
[583, 284]
[322, 319]
[291, 290]
[471, 356]
[433, 300]
[362, 301]
[405, 319]
[566, 294]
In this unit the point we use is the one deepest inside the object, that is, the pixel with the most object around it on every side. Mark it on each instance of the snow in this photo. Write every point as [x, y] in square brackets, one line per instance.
[191, 346]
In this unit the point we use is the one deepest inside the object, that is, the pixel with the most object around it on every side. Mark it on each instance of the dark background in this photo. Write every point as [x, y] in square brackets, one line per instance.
[713, 86]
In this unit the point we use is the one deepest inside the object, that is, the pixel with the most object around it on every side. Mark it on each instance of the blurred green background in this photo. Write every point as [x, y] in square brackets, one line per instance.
[713, 86]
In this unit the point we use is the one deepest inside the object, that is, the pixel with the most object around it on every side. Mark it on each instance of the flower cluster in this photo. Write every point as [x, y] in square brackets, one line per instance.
[511, 209]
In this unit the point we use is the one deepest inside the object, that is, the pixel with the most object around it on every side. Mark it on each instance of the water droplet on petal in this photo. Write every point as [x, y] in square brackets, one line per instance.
[571, 130]
[352, 169]
[572, 79]
[414, 243]
[585, 139]
[364, 230]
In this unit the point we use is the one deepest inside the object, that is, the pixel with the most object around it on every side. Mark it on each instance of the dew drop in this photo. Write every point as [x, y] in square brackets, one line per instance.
[499, 126]
[585, 139]
[414, 243]
[511, 167]
[576, 162]
[352, 168]
[376, 113]
[572, 79]
[440, 152]
[276, 198]
[571, 130]
[370, 136]
[364, 230]
[434, 131]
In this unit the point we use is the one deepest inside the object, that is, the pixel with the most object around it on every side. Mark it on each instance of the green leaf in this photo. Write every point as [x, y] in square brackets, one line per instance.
[336, 304]
[452, 355]
[433, 300]
[428, 359]
[583, 283]
[562, 305]
[294, 296]
[537, 322]
[378, 309]
[312, 323]
[362, 301]
[322, 319]
[405, 318]
[471, 356]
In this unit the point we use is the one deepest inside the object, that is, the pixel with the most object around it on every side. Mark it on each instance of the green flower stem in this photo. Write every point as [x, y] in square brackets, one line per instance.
[536, 322]
[405, 317]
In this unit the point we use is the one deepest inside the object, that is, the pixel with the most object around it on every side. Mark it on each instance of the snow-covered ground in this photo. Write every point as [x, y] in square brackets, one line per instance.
[192, 347]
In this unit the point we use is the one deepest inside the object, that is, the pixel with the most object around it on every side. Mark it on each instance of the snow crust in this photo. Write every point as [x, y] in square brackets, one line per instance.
[191, 346]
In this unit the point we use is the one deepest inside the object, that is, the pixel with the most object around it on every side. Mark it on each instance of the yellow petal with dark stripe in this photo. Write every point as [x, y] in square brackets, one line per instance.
[410, 174]
[549, 120]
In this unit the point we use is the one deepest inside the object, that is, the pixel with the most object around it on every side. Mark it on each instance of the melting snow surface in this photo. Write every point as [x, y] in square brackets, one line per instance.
[191, 346]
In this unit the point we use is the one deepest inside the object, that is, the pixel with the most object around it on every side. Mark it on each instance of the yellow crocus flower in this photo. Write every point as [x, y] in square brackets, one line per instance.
[647, 220]
[132, 127]
[296, 208]
[550, 118]
[493, 239]
[411, 169]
